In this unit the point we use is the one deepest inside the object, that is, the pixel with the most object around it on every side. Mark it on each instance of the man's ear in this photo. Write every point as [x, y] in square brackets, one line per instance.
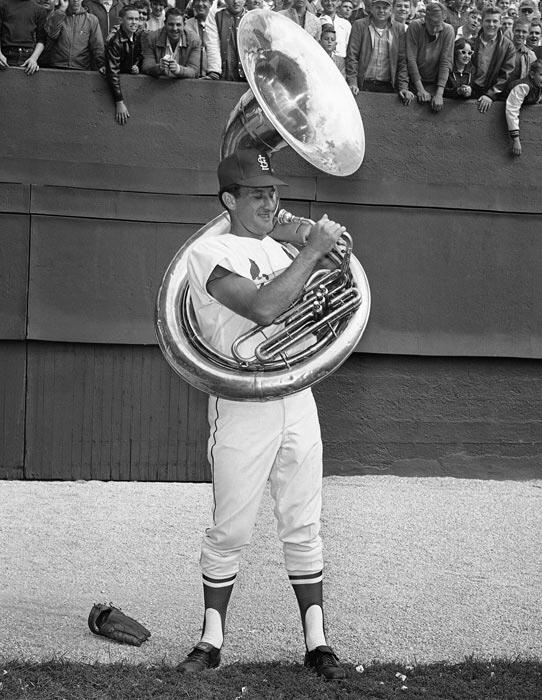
[229, 200]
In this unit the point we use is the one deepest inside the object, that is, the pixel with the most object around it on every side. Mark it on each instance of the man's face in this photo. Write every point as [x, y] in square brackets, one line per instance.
[330, 6]
[255, 207]
[474, 21]
[434, 22]
[507, 24]
[235, 7]
[328, 41]
[503, 5]
[380, 11]
[201, 9]
[490, 25]
[526, 13]
[75, 6]
[536, 77]
[143, 16]
[130, 21]
[346, 9]
[535, 34]
[401, 11]
[174, 27]
[520, 34]
[299, 4]
[157, 8]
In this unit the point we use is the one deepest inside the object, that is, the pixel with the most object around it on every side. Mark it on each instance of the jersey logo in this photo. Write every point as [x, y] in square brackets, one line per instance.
[259, 277]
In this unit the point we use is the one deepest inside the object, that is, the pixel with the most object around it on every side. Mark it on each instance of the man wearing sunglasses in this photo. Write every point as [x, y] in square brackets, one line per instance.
[494, 60]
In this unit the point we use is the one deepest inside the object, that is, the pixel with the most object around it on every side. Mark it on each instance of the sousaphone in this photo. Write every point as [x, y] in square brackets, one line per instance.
[297, 97]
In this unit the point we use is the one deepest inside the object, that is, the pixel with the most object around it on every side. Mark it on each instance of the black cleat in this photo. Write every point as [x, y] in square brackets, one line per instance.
[202, 657]
[325, 663]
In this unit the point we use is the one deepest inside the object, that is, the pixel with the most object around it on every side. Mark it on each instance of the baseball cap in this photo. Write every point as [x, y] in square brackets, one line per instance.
[382, 2]
[249, 167]
[527, 3]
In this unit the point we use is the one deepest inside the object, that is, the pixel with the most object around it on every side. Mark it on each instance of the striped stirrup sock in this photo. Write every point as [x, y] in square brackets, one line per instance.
[308, 591]
[216, 596]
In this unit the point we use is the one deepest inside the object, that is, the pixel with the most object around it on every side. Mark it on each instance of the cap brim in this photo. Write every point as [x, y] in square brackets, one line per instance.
[261, 181]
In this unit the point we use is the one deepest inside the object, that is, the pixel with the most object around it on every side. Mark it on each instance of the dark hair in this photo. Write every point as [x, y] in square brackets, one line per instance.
[173, 11]
[328, 29]
[235, 190]
[142, 5]
[127, 8]
[460, 44]
[521, 22]
[490, 11]
[536, 66]
[535, 23]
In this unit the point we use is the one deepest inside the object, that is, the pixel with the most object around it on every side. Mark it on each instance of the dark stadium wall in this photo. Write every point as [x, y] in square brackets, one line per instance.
[446, 378]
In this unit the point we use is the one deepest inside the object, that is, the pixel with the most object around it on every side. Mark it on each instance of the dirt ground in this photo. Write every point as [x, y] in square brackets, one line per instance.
[417, 570]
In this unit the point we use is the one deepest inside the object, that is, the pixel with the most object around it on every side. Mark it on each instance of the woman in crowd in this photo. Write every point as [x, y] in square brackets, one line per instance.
[460, 78]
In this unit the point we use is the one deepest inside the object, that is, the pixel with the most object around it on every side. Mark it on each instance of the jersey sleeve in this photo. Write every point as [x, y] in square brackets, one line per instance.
[514, 101]
[206, 255]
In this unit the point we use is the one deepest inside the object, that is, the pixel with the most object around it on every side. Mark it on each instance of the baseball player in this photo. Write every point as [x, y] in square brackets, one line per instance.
[237, 280]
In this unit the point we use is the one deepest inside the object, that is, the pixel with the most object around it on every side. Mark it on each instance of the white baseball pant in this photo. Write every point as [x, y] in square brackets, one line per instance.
[249, 444]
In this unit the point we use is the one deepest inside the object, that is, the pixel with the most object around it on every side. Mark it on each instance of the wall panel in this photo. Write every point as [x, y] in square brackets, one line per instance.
[111, 412]
[14, 250]
[12, 408]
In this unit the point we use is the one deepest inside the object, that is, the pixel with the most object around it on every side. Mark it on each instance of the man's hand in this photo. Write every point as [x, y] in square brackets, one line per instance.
[406, 97]
[437, 103]
[102, 70]
[134, 70]
[164, 64]
[355, 89]
[484, 103]
[211, 76]
[324, 234]
[423, 95]
[121, 113]
[174, 68]
[30, 66]
[516, 147]
[3, 62]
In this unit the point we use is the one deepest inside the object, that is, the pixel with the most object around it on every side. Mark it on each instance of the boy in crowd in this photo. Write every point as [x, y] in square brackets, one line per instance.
[493, 60]
[524, 55]
[507, 26]
[525, 91]
[469, 30]
[430, 55]
[75, 39]
[375, 59]
[123, 55]
[328, 41]
[342, 29]
[156, 20]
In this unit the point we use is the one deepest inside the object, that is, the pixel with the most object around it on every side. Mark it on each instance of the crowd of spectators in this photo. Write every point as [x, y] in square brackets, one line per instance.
[455, 49]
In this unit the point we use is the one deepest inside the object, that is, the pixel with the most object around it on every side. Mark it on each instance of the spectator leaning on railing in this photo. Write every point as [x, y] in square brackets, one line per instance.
[74, 38]
[430, 51]
[493, 60]
[196, 25]
[171, 52]
[123, 55]
[524, 56]
[22, 34]
[525, 91]
[223, 61]
[375, 57]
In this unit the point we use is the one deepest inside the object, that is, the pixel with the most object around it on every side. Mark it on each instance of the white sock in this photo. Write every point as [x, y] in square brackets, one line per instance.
[213, 628]
[314, 628]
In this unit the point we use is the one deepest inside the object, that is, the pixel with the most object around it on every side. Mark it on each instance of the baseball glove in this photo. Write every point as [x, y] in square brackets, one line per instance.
[113, 623]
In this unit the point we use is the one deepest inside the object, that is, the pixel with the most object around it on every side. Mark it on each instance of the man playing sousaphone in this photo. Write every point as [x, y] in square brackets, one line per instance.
[237, 280]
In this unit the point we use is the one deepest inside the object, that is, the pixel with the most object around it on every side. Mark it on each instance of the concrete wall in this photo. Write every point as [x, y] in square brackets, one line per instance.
[445, 222]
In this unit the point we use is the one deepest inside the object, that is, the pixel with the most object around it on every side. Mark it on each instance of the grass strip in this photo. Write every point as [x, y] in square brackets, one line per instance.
[515, 679]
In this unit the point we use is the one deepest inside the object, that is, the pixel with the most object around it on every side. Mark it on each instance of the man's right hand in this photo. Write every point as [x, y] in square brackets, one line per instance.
[355, 89]
[3, 62]
[423, 95]
[324, 234]
[121, 113]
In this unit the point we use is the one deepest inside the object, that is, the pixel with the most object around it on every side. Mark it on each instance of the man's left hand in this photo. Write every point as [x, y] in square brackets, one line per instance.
[174, 68]
[134, 70]
[406, 97]
[437, 103]
[30, 66]
[484, 103]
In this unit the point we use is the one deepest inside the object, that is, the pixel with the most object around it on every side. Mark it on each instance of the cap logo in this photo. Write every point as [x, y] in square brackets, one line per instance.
[262, 160]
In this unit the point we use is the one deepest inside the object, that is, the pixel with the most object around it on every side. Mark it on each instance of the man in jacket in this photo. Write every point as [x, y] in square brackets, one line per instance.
[107, 12]
[196, 25]
[375, 57]
[430, 55]
[22, 34]
[223, 62]
[494, 60]
[123, 55]
[171, 52]
[298, 13]
[75, 39]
